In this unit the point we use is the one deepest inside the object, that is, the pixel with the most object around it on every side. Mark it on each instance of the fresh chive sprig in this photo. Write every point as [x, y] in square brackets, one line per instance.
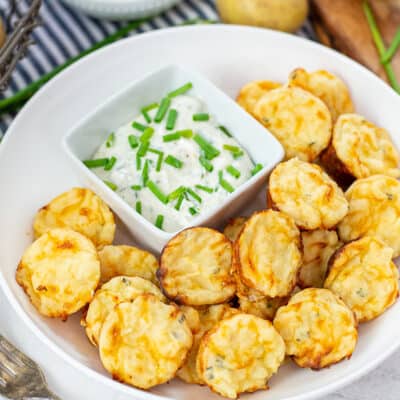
[138, 126]
[194, 195]
[111, 185]
[233, 171]
[173, 161]
[159, 221]
[162, 110]
[201, 117]
[181, 90]
[171, 119]
[206, 189]
[225, 184]
[171, 137]
[96, 163]
[133, 141]
[157, 191]
[209, 150]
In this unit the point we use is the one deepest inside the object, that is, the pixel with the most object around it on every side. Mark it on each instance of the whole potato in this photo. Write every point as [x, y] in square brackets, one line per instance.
[283, 15]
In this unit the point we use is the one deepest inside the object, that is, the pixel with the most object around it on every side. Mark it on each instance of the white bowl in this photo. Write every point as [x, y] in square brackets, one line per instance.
[121, 9]
[85, 138]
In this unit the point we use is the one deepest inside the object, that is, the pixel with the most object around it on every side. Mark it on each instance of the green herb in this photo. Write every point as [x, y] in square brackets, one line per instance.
[209, 150]
[96, 163]
[225, 130]
[236, 151]
[186, 133]
[193, 194]
[171, 119]
[257, 168]
[111, 185]
[143, 149]
[138, 161]
[136, 187]
[204, 188]
[147, 134]
[145, 110]
[159, 221]
[233, 171]
[138, 126]
[173, 162]
[176, 193]
[206, 164]
[171, 137]
[160, 158]
[225, 184]
[157, 192]
[133, 141]
[179, 202]
[111, 162]
[138, 207]
[110, 140]
[162, 110]
[183, 89]
[391, 51]
[201, 117]
[145, 173]
[193, 211]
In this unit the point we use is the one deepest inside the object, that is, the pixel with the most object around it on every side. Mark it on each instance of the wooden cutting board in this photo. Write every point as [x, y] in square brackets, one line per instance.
[341, 24]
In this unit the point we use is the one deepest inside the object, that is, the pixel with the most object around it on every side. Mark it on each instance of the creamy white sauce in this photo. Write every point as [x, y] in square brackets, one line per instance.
[124, 173]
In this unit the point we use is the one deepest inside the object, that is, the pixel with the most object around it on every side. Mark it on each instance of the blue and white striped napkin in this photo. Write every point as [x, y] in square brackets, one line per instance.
[66, 32]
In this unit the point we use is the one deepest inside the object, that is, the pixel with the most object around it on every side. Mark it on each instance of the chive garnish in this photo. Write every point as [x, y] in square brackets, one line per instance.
[193, 211]
[136, 187]
[110, 140]
[147, 134]
[257, 168]
[160, 158]
[233, 171]
[96, 163]
[179, 202]
[138, 126]
[171, 137]
[206, 164]
[173, 162]
[162, 110]
[146, 109]
[138, 207]
[210, 151]
[138, 162]
[201, 117]
[111, 162]
[171, 119]
[204, 188]
[145, 172]
[159, 221]
[194, 195]
[183, 89]
[186, 133]
[225, 130]
[176, 193]
[225, 184]
[236, 151]
[111, 185]
[157, 192]
[143, 149]
[133, 141]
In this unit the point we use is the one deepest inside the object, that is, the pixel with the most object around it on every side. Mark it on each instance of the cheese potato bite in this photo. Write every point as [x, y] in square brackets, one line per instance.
[59, 272]
[144, 342]
[298, 119]
[81, 210]
[265, 308]
[328, 87]
[374, 210]
[239, 355]
[360, 149]
[233, 228]
[364, 276]
[317, 327]
[196, 268]
[252, 92]
[318, 247]
[307, 194]
[268, 253]
[127, 261]
[115, 291]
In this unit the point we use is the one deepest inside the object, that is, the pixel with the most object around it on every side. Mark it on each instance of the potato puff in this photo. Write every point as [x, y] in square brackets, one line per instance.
[115, 291]
[208, 317]
[318, 247]
[299, 120]
[307, 194]
[192, 317]
[318, 328]
[252, 92]
[144, 342]
[265, 308]
[127, 261]
[239, 355]
[328, 87]
[59, 272]
[233, 227]
[268, 253]
[195, 268]
[374, 210]
[80, 210]
[364, 276]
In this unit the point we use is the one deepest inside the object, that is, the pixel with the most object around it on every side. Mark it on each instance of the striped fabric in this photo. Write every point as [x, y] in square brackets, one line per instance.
[66, 32]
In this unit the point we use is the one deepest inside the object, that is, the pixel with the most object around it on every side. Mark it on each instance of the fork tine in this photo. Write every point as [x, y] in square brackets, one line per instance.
[14, 354]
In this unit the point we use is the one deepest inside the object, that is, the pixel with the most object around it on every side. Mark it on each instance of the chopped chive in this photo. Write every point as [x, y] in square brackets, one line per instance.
[225, 184]
[143, 149]
[146, 117]
[206, 164]
[171, 119]
[111, 162]
[136, 187]
[159, 221]
[225, 130]
[138, 207]
[176, 193]
[210, 151]
[233, 171]
[193, 211]
[96, 163]
[146, 109]
[110, 140]
[204, 188]
[257, 168]
[157, 192]
[171, 137]
[138, 162]
[183, 89]
[162, 110]
[236, 151]
[201, 117]
[133, 141]
[138, 126]
[147, 134]
[160, 158]
[173, 162]
[145, 172]
[186, 133]
[390, 52]
[111, 185]
[179, 202]
[194, 195]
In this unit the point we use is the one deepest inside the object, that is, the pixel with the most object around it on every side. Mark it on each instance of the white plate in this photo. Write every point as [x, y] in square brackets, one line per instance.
[33, 169]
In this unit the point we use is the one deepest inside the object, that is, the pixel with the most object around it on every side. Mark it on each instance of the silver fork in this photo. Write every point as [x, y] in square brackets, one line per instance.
[20, 377]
